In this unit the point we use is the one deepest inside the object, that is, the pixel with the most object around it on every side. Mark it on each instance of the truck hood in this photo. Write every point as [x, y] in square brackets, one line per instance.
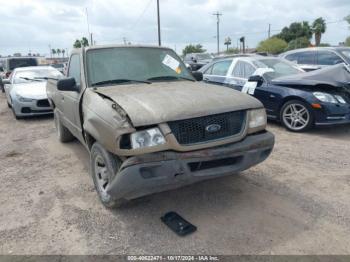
[160, 102]
[32, 90]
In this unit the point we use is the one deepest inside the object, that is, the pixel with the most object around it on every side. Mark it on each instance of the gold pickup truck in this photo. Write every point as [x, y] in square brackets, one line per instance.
[150, 125]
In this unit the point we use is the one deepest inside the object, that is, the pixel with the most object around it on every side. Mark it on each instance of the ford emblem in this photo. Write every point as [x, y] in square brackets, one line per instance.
[212, 128]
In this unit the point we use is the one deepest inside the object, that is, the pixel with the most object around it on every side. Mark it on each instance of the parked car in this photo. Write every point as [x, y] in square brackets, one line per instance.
[26, 90]
[318, 57]
[10, 63]
[149, 126]
[299, 100]
[197, 60]
[60, 67]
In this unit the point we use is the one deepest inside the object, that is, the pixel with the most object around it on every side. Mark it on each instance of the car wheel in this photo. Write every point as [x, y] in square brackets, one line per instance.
[63, 134]
[297, 116]
[103, 167]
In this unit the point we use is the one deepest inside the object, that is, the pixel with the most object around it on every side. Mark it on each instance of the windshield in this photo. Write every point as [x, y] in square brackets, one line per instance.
[203, 56]
[280, 68]
[346, 54]
[138, 64]
[57, 65]
[22, 62]
[27, 76]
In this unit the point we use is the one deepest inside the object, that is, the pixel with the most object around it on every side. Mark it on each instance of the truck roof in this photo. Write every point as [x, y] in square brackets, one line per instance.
[95, 47]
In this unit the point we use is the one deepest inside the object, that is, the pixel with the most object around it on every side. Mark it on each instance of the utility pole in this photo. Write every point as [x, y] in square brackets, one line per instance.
[269, 32]
[158, 16]
[88, 27]
[50, 51]
[217, 14]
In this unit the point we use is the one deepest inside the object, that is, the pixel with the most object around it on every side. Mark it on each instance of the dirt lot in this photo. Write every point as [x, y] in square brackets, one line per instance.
[296, 202]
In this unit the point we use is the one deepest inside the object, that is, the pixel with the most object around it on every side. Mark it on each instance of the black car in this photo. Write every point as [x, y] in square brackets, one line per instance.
[197, 60]
[298, 99]
[11, 63]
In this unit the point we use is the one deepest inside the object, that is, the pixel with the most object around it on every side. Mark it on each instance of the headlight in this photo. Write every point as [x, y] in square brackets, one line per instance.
[324, 97]
[147, 138]
[23, 99]
[340, 99]
[257, 120]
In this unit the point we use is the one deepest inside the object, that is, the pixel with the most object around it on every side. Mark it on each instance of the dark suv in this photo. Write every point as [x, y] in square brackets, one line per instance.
[10, 63]
[318, 57]
[197, 60]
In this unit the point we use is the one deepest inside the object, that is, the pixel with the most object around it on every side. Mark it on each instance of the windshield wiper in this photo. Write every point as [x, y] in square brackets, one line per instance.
[30, 79]
[46, 78]
[119, 81]
[170, 78]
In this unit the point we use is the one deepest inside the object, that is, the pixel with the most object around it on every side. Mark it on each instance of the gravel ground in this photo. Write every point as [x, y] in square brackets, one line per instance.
[296, 202]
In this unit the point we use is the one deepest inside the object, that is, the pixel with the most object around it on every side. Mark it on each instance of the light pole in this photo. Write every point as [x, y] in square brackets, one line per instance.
[158, 18]
[217, 14]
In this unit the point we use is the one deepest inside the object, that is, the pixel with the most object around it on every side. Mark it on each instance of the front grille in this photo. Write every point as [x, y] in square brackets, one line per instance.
[197, 130]
[43, 103]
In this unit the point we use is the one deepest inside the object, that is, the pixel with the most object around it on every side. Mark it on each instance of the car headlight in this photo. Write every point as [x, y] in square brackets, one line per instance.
[257, 120]
[340, 99]
[23, 99]
[324, 97]
[147, 138]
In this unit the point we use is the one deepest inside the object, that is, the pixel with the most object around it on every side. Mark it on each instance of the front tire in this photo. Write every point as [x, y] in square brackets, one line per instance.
[63, 134]
[297, 116]
[104, 167]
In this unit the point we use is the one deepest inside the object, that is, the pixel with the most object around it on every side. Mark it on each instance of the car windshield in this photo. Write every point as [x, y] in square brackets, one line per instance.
[27, 76]
[57, 65]
[22, 62]
[346, 54]
[280, 68]
[203, 56]
[122, 64]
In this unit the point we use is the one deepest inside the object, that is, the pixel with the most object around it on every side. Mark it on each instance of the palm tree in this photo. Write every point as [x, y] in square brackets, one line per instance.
[63, 51]
[58, 51]
[77, 44]
[318, 28]
[53, 51]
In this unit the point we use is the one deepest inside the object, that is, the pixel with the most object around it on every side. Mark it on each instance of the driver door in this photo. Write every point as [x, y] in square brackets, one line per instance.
[70, 99]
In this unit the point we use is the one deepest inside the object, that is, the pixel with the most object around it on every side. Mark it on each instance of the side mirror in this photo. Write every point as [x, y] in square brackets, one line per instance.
[256, 78]
[67, 84]
[198, 75]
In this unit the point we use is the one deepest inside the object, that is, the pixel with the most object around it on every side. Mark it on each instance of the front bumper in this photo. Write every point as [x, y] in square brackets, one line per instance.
[332, 114]
[161, 171]
[30, 108]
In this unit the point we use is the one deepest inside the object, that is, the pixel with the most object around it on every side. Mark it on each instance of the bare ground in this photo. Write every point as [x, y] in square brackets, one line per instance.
[296, 202]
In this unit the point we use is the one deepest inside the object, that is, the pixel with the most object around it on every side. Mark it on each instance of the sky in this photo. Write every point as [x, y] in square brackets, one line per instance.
[34, 25]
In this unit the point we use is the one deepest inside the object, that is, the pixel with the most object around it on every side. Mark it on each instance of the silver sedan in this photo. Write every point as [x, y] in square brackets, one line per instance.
[26, 90]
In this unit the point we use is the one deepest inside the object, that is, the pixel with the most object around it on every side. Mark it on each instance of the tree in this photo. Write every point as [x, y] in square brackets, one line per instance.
[84, 42]
[299, 42]
[58, 51]
[53, 51]
[232, 50]
[295, 30]
[347, 41]
[318, 28]
[193, 49]
[272, 45]
[77, 44]
[347, 19]
[63, 51]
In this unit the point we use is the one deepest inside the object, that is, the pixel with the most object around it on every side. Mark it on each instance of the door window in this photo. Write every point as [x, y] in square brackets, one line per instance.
[243, 70]
[328, 58]
[74, 68]
[307, 58]
[293, 57]
[221, 68]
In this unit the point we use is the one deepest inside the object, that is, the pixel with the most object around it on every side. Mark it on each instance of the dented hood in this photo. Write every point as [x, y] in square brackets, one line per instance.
[160, 102]
[336, 76]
